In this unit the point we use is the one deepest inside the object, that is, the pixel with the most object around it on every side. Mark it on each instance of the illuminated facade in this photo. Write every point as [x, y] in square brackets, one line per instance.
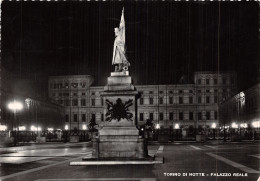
[188, 105]
[243, 109]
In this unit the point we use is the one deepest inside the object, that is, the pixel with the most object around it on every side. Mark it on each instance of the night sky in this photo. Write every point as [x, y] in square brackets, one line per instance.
[165, 40]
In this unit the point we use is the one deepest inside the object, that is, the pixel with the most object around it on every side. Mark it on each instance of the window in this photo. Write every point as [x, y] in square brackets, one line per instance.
[215, 99]
[60, 94]
[102, 101]
[75, 102]
[141, 116]
[75, 117]
[180, 91]
[93, 117]
[180, 100]
[171, 116]
[190, 115]
[191, 100]
[207, 99]
[224, 81]
[83, 102]
[92, 93]
[75, 94]
[141, 101]
[180, 115]
[83, 117]
[53, 94]
[61, 102]
[224, 90]
[170, 92]
[207, 90]
[102, 117]
[151, 92]
[199, 116]
[66, 85]
[199, 91]
[171, 100]
[83, 93]
[67, 102]
[83, 84]
[161, 100]
[151, 116]
[216, 90]
[207, 81]
[92, 102]
[208, 115]
[190, 91]
[66, 94]
[216, 115]
[161, 116]
[150, 100]
[215, 81]
[75, 85]
[67, 118]
[199, 100]
[199, 81]
[161, 92]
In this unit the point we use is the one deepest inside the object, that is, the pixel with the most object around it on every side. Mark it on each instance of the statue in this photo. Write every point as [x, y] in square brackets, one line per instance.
[119, 57]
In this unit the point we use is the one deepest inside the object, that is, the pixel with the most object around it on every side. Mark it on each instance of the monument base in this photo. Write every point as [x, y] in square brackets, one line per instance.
[119, 142]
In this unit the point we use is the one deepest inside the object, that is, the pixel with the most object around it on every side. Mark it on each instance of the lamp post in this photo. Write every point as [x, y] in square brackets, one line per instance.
[177, 127]
[213, 126]
[31, 102]
[15, 106]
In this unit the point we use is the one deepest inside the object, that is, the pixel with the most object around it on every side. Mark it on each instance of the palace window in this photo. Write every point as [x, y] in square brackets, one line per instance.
[83, 117]
[207, 81]
[67, 118]
[83, 102]
[199, 100]
[215, 115]
[180, 100]
[207, 99]
[141, 116]
[93, 102]
[75, 102]
[190, 115]
[208, 115]
[171, 116]
[75, 117]
[150, 100]
[180, 115]
[171, 100]
[161, 116]
[199, 116]
[191, 100]
[151, 116]
[141, 101]
[161, 100]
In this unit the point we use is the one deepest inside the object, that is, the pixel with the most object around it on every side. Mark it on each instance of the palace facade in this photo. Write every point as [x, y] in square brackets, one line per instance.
[188, 105]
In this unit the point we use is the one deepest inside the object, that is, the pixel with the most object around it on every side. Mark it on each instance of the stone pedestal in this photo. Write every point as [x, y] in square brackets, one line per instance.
[119, 138]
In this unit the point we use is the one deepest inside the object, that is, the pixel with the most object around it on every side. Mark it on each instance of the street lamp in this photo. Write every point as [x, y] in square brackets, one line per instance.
[213, 126]
[177, 127]
[15, 106]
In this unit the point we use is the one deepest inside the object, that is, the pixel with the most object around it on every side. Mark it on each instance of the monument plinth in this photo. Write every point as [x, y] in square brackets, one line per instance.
[119, 137]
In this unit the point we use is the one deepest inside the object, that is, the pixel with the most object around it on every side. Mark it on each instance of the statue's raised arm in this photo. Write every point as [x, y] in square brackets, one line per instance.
[119, 57]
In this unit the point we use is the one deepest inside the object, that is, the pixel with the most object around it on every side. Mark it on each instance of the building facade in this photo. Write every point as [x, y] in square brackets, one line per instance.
[188, 105]
[242, 110]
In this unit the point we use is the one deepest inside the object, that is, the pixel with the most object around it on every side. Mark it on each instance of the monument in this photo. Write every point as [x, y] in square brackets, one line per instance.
[119, 137]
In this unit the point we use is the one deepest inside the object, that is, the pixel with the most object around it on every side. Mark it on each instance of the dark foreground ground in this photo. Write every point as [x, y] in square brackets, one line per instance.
[182, 161]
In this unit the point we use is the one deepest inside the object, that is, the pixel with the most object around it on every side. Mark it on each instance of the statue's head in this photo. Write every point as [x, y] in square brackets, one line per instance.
[116, 31]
